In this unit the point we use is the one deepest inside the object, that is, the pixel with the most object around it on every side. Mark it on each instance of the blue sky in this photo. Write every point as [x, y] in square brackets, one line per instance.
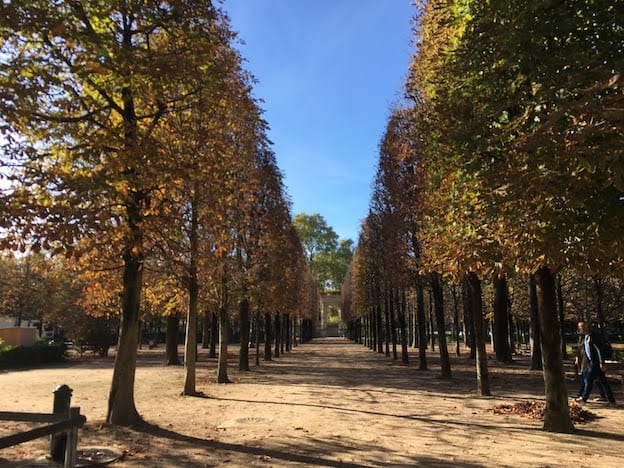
[328, 72]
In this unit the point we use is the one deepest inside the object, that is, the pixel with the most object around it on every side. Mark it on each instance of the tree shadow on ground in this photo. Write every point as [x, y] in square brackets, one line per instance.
[289, 453]
[273, 454]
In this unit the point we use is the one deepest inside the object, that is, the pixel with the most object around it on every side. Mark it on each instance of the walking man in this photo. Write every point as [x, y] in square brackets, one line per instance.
[592, 365]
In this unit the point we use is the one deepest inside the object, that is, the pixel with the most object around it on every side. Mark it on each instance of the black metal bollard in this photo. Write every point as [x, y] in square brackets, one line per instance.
[58, 441]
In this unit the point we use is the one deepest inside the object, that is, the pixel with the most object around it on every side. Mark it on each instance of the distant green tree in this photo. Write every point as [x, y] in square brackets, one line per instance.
[316, 236]
[328, 258]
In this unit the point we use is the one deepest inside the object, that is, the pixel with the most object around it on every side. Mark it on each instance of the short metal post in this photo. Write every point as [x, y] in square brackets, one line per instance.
[58, 441]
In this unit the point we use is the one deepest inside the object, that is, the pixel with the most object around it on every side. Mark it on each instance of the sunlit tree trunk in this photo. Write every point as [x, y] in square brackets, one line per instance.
[557, 416]
[534, 331]
[190, 345]
[483, 379]
[468, 317]
[121, 407]
[431, 322]
[455, 319]
[422, 324]
[224, 339]
[438, 304]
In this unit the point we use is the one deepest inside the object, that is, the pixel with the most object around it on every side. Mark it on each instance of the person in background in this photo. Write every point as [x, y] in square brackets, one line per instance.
[581, 365]
[591, 363]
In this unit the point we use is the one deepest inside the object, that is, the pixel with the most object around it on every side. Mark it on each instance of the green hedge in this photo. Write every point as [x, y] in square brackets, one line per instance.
[16, 356]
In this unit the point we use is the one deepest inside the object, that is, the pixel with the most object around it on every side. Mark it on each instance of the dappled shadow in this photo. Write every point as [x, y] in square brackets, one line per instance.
[271, 453]
[341, 363]
[446, 422]
[306, 454]
[599, 434]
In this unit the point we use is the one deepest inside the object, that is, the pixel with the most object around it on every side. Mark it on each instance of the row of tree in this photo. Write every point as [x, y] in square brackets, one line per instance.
[132, 143]
[506, 160]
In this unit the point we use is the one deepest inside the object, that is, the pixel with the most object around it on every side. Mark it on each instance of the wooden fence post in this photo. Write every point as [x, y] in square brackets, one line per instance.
[71, 449]
[62, 399]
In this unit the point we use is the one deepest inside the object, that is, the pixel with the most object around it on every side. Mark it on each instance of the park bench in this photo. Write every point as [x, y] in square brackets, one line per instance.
[101, 349]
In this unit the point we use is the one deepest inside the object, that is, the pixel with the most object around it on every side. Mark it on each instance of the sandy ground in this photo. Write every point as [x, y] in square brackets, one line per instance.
[326, 403]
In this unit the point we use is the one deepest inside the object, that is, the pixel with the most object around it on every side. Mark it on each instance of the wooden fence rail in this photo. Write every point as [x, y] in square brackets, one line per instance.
[57, 423]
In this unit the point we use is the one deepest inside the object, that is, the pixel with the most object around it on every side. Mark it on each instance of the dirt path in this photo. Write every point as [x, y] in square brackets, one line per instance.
[327, 403]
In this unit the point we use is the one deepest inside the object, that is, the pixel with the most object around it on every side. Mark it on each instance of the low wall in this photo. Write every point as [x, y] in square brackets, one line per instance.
[18, 336]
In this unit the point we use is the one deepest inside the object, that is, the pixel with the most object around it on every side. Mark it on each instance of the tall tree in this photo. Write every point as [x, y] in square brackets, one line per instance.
[527, 96]
[85, 87]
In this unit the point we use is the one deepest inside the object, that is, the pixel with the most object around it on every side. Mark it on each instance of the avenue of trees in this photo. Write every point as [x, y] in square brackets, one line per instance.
[135, 154]
[138, 185]
[504, 166]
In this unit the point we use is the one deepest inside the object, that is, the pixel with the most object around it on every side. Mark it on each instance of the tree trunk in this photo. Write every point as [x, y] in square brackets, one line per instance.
[512, 332]
[431, 331]
[534, 332]
[214, 335]
[501, 319]
[413, 325]
[243, 357]
[267, 337]
[288, 333]
[121, 406]
[468, 317]
[190, 343]
[456, 319]
[438, 301]
[224, 330]
[557, 416]
[393, 325]
[422, 324]
[402, 303]
[476, 305]
[171, 341]
[284, 331]
[278, 334]
[379, 326]
[295, 324]
[387, 324]
[372, 328]
[206, 331]
[561, 309]
[257, 337]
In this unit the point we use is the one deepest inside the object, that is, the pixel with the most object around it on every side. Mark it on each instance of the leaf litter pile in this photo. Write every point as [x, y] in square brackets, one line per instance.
[536, 409]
